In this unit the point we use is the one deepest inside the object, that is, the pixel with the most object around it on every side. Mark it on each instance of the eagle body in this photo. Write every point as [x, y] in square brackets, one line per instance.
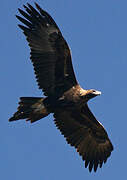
[52, 62]
[72, 99]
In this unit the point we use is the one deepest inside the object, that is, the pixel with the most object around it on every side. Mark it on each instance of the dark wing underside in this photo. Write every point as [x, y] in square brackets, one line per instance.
[86, 134]
[50, 53]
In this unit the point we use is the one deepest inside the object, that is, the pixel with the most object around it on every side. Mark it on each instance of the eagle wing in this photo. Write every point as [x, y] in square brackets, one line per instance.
[86, 134]
[50, 53]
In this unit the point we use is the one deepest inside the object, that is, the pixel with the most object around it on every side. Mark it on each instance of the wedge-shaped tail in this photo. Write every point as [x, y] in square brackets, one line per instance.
[31, 109]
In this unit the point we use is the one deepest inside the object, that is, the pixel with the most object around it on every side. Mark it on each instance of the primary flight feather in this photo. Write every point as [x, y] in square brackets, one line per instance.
[65, 98]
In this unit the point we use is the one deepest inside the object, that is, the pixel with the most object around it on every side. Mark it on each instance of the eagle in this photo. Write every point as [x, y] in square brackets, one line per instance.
[64, 97]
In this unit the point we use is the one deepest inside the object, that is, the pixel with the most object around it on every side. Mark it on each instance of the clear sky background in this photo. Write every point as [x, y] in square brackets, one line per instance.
[96, 31]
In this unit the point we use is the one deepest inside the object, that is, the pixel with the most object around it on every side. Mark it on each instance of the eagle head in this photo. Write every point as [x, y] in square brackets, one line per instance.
[89, 94]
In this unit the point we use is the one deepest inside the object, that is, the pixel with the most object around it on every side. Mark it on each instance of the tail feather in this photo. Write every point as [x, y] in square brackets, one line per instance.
[31, 109]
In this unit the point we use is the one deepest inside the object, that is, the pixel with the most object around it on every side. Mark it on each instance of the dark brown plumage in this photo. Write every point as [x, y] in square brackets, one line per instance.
[65, 98]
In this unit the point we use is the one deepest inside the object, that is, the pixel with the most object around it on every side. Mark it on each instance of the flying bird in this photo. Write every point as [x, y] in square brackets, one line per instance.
[64, 97]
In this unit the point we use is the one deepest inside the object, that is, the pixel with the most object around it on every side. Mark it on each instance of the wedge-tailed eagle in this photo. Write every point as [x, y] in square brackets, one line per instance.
[64, 97]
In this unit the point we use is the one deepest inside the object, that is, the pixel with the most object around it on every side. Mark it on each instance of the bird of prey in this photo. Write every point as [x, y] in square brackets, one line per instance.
[64, 97]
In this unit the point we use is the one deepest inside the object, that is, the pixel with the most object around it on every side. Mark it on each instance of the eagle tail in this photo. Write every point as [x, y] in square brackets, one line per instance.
[31, 109]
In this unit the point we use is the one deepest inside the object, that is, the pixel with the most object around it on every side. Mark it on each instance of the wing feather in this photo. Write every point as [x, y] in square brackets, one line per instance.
[86, 134]
[50, 53]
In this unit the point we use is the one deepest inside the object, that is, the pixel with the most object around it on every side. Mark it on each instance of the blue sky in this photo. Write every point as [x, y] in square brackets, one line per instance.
[96, 31]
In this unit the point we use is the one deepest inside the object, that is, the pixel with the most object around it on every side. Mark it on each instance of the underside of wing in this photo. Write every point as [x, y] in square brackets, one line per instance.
[50, 53]
[86, 134]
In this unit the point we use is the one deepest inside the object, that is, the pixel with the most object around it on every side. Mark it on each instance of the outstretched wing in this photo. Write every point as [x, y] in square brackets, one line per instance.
[50, 53]
[86, 134]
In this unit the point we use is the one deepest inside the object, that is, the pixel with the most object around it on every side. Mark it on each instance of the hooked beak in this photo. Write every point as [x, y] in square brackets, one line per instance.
[97, 93]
